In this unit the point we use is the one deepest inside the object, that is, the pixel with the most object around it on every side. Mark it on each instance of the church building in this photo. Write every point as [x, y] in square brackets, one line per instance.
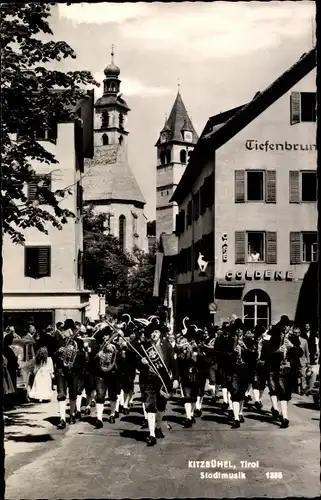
[109, 183]
[174, 146]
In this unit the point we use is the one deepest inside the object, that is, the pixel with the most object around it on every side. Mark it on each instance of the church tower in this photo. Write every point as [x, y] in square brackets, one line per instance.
[176, 141]
[109, 183]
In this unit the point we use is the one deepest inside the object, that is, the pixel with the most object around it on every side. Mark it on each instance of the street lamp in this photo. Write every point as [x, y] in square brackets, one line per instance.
[101, 291]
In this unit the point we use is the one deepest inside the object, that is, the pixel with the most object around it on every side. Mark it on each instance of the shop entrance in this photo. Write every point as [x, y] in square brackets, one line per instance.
[256, 309]
[22, 319]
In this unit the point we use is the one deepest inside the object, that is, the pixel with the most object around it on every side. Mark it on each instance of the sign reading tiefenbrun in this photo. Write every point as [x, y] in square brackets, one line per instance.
[254, 145]
[259, 275]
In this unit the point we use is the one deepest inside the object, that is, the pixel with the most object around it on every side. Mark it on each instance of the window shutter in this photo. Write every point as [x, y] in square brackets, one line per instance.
[294, 186]
[295, 247]
[189, 213]
[295, 104]
[183, 221]
[80, 264]
[271, 247]
[177, 232]
[211, 190]
[239, 247]
[202, 200]
[32, 190]
[270, 196]
[53, 132]
[239, 186]
[87, 115]
[43, 261]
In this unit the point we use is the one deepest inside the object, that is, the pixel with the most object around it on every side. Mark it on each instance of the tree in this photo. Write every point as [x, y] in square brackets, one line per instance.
[104, 263]
[33, 97]
[141, 284]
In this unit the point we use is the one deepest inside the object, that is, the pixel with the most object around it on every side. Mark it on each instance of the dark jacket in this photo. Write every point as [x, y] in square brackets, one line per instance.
[167, 356]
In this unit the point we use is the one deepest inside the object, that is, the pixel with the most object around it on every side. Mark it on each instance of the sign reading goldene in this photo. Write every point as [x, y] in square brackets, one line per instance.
[254, 145]
[267, 275]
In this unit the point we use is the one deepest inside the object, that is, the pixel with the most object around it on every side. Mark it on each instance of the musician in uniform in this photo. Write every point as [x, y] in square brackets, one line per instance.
[223, 353]
[105, 357]
[69, 360]
[159, 376]
[210, 353]
[283, 362]
[127, 368]
[192, 375]
[261, 373]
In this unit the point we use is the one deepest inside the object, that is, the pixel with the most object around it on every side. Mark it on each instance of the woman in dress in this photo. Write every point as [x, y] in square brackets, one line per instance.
[42, 385]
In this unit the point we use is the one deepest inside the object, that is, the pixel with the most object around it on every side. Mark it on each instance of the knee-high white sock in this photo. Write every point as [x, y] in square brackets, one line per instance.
[256, 394]
[78, 402]
[274, 401]
[230, 406]
[192, 408]
[241, 407]
[212, 388]
[72, 406]
[112, 408]
[261, 394]
[151, 418]
[159, 419]
[199, 402]
[127, 396]
[224, 394]
[89, 399]
[100, 410]
[249, 388]
[62, 409]
[236, 410]
[188, 410]
[144, 410]
[117, 403]
[122, 397]
[284, 409]
[131, 397]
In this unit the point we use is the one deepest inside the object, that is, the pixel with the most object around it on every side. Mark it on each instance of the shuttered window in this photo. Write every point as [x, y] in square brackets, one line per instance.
[80, 264]
[271, 247]
[189, 214]
[270, 190]
[211, 191]
[295, 105]
[239, 247]
[196, 206]
[177, 229]
[182, 221]
[239, 186]
[79, 196]
[37, 186]
[295, 247]
[37, 262]
[294, 181]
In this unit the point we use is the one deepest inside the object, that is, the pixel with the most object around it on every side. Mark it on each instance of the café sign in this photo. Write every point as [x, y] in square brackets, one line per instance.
[224, 247]
[267, 275]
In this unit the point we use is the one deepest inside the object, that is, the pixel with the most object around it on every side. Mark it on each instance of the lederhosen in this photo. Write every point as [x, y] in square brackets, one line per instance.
[211, 362]
[282, 380]
[223, 359]
[261, 374]
[192, 374]
[127, 369]
[151, 383]
[237, 374]
[69, 378]
[250, 358]
[104, 381]
[88, 378]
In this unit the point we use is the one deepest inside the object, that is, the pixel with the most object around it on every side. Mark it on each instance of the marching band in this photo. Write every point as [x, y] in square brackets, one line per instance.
[106, 358]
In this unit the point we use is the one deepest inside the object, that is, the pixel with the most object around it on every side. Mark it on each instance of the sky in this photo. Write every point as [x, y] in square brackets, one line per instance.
[219, 53]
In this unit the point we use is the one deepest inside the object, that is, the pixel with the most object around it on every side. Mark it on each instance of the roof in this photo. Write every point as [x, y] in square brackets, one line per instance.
[178, 121]
[246, 114]
[108, 100]
[108, 176]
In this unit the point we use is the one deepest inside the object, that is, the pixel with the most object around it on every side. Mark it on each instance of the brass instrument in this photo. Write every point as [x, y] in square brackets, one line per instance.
[184, 348]
[68, 352]
[108, 353]
[239, 345]
[184, 330]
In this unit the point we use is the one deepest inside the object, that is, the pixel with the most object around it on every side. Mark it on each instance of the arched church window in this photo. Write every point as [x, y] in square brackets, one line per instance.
[105, 119]
[105, 140]
[120, 140]
[122, 232]
[168, 155]
[182, 156]
[163, 157]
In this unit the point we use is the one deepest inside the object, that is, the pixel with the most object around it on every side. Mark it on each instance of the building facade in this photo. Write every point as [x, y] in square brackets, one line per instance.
[176, 141]
[42, 279]
[109, 183]
[252, 214]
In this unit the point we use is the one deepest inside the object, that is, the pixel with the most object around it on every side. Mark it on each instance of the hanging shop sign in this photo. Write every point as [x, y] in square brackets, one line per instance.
[267, 275]
[254, 145]
[224, 247]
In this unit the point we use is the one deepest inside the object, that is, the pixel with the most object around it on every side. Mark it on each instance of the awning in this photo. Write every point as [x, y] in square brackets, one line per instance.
[231, 284]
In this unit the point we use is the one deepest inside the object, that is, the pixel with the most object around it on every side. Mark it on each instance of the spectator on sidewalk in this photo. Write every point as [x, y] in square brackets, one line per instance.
[8, 387]
[42, 389]
[12, 360]
[304, 361]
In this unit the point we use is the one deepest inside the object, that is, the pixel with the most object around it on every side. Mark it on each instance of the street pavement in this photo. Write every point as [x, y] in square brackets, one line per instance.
[114, 462]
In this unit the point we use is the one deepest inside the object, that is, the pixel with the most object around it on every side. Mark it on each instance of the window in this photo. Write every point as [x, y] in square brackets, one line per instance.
[120, 140]
[196, 206]
[256, 309]
[43, 133]
[135, 225]
[303, 107]
[309, 247]
[309, 186]
[121, 120]
[189, 214]
[37, 262]
[302, 186]
[182, 156]
[168, 154]
[105, 140]
[254, 186]
[122, 232]
[105, 119]
[255, 247]
[80, 264]
[37, 188]
[163, 157]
